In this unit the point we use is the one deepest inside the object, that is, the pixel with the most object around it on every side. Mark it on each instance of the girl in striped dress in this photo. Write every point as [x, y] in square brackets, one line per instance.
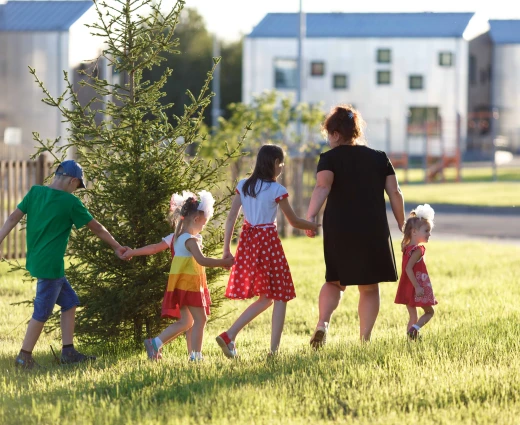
[187, 297]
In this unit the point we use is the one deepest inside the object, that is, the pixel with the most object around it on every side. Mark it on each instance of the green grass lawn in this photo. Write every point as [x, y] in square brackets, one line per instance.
[466, 369]
[480, 174]
[497, 194]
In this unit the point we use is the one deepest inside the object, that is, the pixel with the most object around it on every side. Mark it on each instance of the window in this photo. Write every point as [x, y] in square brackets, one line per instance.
[423, 121]
[317, 69]
[446, 59]
[339, 81]
[472, 69]
[416, 82]
[384, 56]
[383, 77]
[285, 73]
[483, 76]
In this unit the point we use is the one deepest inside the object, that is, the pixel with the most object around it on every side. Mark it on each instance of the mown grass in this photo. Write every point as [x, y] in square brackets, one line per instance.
[495, 194]
[465, 370]
[468, 174]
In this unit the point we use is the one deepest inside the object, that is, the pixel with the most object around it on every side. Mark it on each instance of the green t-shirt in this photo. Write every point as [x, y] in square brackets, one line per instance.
[50, 216]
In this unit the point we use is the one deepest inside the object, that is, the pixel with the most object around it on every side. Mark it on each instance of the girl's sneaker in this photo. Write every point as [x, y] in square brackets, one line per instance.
[196, 357]
[151, 350]
[319, 338]
[227, 346]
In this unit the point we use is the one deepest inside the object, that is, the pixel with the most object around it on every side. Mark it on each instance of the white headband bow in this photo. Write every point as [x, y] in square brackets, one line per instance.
[425, 211]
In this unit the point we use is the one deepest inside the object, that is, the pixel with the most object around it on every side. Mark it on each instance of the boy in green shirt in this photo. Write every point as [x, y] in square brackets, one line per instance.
[51, 212]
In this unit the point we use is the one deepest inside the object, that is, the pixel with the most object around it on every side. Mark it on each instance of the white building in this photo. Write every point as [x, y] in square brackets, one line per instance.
[506, 80]
[51, 37]
[409, 74]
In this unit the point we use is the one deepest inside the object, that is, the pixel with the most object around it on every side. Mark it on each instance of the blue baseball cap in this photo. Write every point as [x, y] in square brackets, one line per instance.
[71, 168]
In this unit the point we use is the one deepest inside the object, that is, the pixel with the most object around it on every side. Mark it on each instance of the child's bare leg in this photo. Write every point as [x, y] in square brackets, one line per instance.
[278, 321]
[426, 317]
[412, 312]
[197, 330]
[68, 321]
[259, 306]
[188, 340]
[34, 329]
[178, 327]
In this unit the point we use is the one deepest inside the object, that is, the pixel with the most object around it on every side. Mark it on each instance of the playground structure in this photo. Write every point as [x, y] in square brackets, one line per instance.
[439, 152]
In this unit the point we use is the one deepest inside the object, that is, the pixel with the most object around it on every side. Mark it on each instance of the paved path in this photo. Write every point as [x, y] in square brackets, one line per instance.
[455, 222]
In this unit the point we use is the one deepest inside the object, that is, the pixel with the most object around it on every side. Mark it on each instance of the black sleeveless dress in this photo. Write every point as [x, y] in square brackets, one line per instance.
[356, 238]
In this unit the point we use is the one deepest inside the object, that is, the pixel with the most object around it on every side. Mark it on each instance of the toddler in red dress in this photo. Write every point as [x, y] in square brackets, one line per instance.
[415, 289]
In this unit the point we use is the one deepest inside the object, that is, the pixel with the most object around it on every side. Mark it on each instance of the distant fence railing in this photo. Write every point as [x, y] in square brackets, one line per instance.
[17, 177]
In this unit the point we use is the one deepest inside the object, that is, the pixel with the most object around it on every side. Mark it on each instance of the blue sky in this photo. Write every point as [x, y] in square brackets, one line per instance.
[230, 18]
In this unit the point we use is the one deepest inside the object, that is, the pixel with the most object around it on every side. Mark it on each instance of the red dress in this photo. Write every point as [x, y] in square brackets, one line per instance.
[406, 291]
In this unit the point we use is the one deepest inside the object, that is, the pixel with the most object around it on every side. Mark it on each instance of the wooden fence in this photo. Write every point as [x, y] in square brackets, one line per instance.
[17, 177]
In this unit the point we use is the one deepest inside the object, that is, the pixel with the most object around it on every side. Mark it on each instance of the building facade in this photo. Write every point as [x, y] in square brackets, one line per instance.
[408, 74]
[51, 37]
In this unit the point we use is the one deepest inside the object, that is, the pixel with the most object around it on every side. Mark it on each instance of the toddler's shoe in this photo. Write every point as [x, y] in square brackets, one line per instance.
[196, 357]
[227, 346]
[319, 338]
[25, 361]
[413, 334]
[71, 356]
[151, 350]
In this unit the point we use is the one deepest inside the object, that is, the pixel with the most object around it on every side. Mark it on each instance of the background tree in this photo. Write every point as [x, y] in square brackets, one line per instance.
[191, 61]
[134, 163]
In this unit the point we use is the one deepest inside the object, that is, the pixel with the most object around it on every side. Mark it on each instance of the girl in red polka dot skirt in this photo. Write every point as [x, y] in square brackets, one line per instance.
[415, 289]
[260, 269]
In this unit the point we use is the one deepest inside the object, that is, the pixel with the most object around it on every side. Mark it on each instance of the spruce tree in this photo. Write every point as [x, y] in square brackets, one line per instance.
[133, 160]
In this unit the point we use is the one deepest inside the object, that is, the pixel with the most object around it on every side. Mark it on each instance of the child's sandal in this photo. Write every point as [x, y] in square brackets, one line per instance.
[227, 346]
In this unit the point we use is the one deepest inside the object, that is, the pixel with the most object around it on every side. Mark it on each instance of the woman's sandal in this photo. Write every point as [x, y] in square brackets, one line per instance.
[319, 338]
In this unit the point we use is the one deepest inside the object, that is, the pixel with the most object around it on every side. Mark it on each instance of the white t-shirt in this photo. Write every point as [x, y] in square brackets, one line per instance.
[263, 208]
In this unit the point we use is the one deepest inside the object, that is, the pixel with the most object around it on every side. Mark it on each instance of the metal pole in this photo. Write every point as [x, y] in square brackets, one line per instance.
[215, 86]
[494, 132]
[301, 36]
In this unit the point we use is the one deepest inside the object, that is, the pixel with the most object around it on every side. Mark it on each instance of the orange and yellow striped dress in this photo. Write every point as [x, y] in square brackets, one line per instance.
[187, 281]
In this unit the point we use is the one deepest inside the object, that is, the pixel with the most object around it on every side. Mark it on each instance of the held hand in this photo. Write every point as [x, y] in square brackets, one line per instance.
[121, 251]
[128, 254]
[310, 233]
[228, 261]
[419, 292]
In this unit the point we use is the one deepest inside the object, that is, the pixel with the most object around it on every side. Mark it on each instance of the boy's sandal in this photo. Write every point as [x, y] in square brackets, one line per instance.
[227, 346]
[319, 338]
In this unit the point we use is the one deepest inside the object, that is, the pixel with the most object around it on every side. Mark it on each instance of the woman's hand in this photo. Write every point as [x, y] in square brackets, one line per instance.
[127, 255]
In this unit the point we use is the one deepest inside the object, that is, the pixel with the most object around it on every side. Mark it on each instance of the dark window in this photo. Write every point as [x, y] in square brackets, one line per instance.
[446, 59]
[422, 121]
[340, 81]
[383, 77]
[384, 56]
[416, 82]
[285, 73]
[317, 69]
[483, 76]
[472, 69]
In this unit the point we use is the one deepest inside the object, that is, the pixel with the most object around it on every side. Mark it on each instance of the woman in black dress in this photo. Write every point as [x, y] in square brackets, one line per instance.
[357, 244]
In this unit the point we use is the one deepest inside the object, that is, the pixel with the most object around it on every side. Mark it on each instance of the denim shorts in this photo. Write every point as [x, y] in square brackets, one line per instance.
[50, 292]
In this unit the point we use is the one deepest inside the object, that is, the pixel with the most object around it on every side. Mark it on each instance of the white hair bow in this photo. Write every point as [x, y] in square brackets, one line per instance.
[425, 211]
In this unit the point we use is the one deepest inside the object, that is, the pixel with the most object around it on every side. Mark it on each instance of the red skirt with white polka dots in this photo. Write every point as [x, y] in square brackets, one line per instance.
[260, 266]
